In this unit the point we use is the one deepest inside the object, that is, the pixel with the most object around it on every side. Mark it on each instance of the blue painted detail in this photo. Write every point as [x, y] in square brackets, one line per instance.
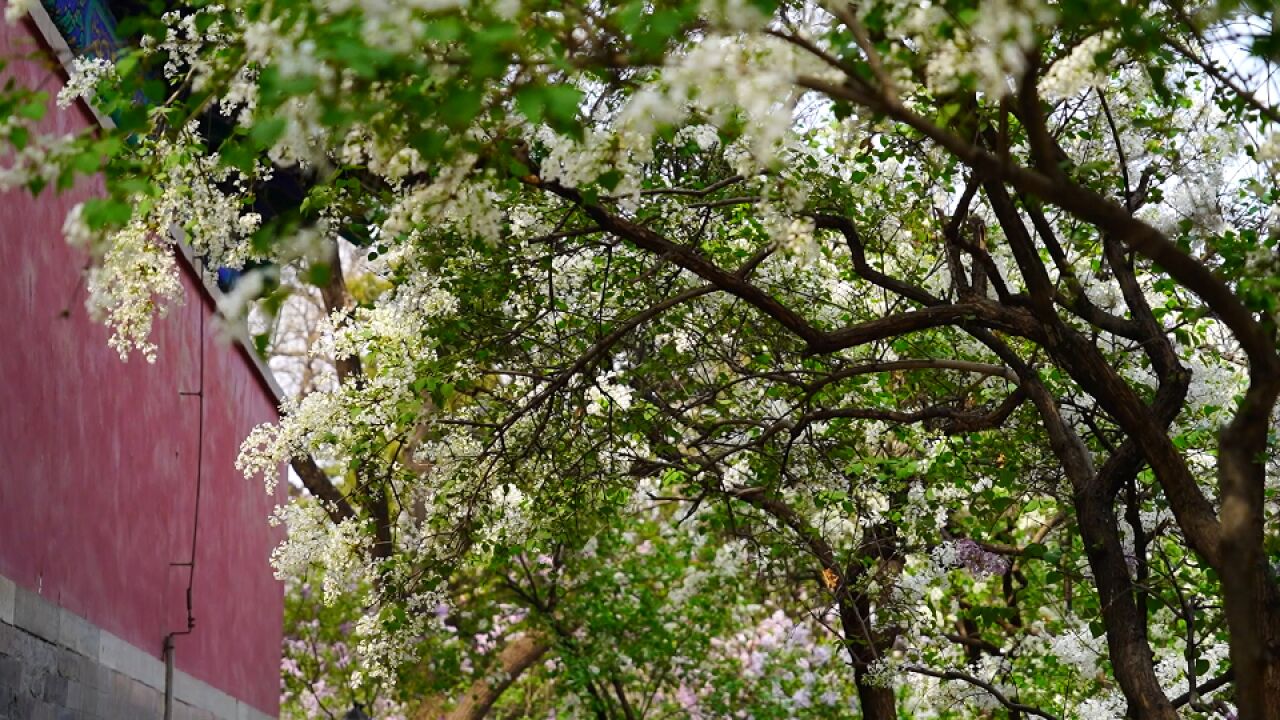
[227, 278]
[88, 26]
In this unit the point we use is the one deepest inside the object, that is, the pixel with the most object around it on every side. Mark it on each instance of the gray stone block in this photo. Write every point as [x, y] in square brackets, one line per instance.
[107, 702]
[99, 676]
[77, 634]
[110, 650]
[74, 667]
[10, 672]
[44, 711]
[33, 679]
[23, 706]
[10, 639]
[37, 653]
[55, 689]
[78, 695]
[200, 714]
[36, 615]
[148, 699]
[121, 695]
[7, 597]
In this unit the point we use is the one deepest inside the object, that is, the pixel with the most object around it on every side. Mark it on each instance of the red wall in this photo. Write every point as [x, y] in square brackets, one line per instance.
[98, 456]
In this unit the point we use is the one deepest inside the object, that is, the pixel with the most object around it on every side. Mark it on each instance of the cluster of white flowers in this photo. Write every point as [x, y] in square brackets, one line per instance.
[135, 278]
[314, 540]
[382, 654]
[40, 160]
[184, 42]
[134, 275]
[86, 73]
[393, 162]
[1078, 70]
[733, 15]
[607, 393]
[510, 519]
[1075, 645]
[269, 445]
[795, 237]
[241, 96]
[705, 137]
[1268, 152]
[724, 78]
[993, 49]
[751, 73]
[456, 200]
[575, 163]
[1103, 706]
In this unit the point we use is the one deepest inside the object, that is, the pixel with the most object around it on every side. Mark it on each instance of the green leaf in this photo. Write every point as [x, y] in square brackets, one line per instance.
[266, 132]
[35, 108]
[319, 274]
[461, 107]
[99, 213]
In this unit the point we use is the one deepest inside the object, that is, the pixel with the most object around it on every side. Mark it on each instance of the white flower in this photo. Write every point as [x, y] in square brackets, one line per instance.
[15, 10]
[993, 49]
[606, 393]
[1078, 70]
[86, 74]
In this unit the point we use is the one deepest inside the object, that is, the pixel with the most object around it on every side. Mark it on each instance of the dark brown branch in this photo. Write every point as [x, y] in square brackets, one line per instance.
[980, 312]
[690, 260]
[857, 254]
[1108, 216]
[318, 484]
[1207, 686]
[912, 364]
[988, 687]
[947, 418]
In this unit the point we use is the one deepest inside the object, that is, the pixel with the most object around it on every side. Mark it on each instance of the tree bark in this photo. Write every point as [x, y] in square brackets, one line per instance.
[1251, 599]
[878, 703]
[519, 655]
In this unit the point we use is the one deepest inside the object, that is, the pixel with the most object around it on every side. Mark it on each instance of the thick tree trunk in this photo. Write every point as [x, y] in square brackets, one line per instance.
[1127, 641]
[519, 655]
[1094, 500]
[878, 703]
[1251, 599]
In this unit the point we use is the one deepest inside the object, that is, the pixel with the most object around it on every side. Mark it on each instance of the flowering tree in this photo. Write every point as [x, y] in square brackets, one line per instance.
[960, 313]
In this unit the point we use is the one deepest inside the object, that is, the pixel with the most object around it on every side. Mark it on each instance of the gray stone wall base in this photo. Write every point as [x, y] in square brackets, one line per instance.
[55, 665]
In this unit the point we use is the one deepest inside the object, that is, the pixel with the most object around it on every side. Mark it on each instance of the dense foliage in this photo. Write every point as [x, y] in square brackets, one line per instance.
[739, 358]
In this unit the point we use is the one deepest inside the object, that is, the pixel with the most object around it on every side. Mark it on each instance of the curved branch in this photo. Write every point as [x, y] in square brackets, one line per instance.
[949, 419]
[857, 254]
[518, 656]
[913, 364]
[1106, 215]
[690, 260]
[988, 687]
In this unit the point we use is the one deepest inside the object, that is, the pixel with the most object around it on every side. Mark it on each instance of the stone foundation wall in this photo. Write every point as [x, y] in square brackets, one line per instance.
[54, 665]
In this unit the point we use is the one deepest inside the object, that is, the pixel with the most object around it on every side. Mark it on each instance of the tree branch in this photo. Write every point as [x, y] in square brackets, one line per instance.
[988, 687]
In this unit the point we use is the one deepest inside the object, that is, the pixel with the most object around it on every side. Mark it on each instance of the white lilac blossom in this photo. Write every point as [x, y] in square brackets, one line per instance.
[993, 48]
[1078, 71]
[86, 73]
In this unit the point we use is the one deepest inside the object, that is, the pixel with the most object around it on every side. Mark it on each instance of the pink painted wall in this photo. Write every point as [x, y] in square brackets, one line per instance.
[98, 456]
